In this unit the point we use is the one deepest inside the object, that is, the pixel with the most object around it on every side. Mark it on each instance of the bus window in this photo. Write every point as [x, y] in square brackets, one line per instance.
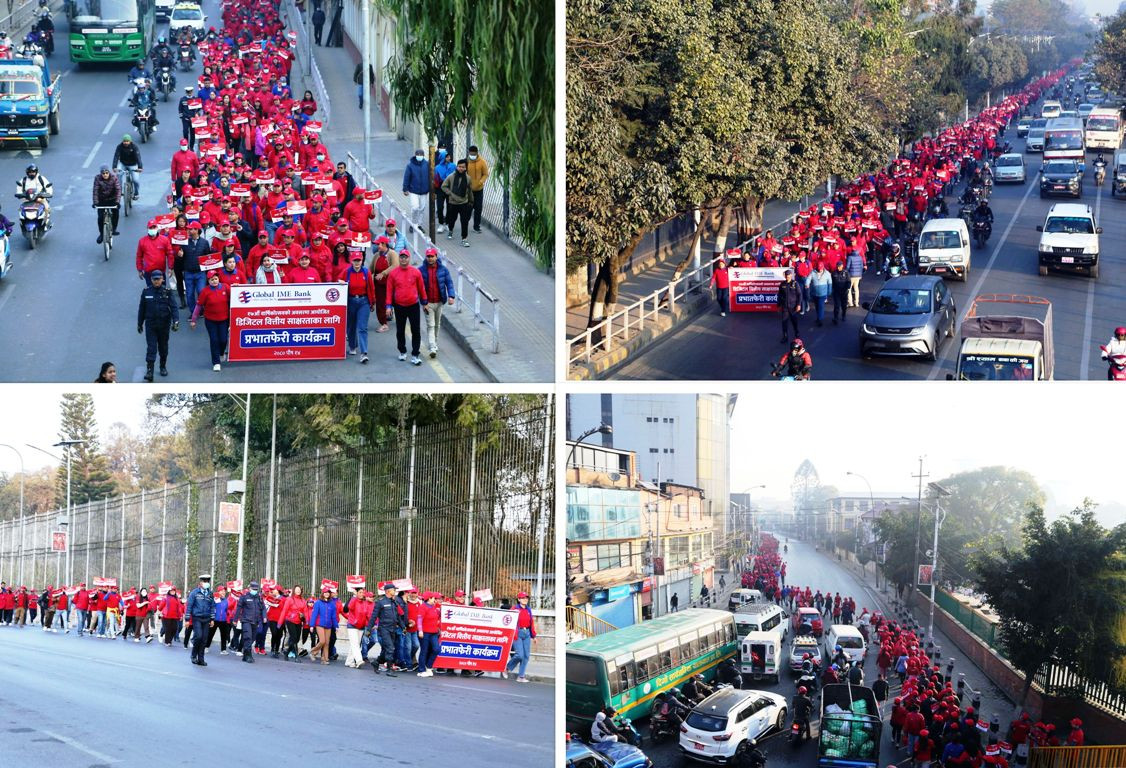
[689, 647]
[772, 622]
[670, 655]
[627, 676]
[646, 664]
[730, 632]
[582, 670]
[613, 678]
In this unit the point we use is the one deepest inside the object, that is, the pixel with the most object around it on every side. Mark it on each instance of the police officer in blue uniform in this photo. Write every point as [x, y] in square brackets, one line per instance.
[156, 315]
[201, 607]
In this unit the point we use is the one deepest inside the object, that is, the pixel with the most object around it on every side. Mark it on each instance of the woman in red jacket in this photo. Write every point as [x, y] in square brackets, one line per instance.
[429, 630]
[293, 615]
[131, 625]
[721, 283]
[215, 304]
[274, 619]
[171, 613]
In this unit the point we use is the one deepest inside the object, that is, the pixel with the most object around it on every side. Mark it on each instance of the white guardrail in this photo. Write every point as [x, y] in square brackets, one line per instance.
[21, 17]
[484, 306]
[296, 23]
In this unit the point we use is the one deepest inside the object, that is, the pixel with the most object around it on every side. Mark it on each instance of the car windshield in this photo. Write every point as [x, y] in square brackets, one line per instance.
[187, 14]
[904, 301]
[1064, 168]
[704, 722]
[1063, 139]
[1005, 160]
[850, 642]
[20, 88]
[1103, 124]
[996, 368]
[1035, 133]
[107, 10]
[1071, 225]
[1039, 122]
[940, 239]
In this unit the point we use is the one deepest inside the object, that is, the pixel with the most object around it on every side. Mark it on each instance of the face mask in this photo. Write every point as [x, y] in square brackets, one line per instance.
[418, 158]
[320, 157]
[473, 157]
[153, 231]
[254, 591]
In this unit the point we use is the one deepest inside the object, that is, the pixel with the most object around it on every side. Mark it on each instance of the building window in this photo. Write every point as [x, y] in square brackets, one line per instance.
[672, 450]
[652, 450]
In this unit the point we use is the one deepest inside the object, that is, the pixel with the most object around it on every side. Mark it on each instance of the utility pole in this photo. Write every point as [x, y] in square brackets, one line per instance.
[918, 524]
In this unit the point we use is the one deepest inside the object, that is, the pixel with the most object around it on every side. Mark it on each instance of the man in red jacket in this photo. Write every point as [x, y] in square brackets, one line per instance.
[82, 607]
[184, 159]
[406, 296]
[154, 252]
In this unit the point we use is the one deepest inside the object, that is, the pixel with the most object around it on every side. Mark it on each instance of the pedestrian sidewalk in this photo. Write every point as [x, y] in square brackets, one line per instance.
[526, 295]
[653, 273]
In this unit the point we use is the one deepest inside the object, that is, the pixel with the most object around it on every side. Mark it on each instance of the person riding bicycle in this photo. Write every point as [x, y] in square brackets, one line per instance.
[802, 707]
[128, 155]
[107, 191]
[796, 362]
[603, 727]
[34, 183]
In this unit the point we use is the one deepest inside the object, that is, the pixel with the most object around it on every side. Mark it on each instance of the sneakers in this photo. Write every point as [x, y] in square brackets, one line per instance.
[223, 653]
[163, 370]
[433, 352]
[291, 655]
[523, 680]
[148, 639]
[504, 673]
[99, 240]
[352, 351]
[415, 360]
[402, 355]
[427, 673]
[215, 367]
[465, 243]
[723, 314]
[449, 235]
[136, 639]
[363, 358]
[440, 228]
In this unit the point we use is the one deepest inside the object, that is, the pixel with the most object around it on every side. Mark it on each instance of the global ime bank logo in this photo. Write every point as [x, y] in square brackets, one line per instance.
[244, 297]
[332, 294]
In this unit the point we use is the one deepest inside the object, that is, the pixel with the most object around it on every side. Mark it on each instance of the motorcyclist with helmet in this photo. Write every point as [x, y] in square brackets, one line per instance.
[139, 71]
[894, 258]
[666, 713]
[984, 214]
[45, 26]
[144, 97]
[831, 675]
[161, 53]
[603, 727]
[802, 707]
[34, 184]
[796, 362]
[696, 689]
[31, 49]
[729, 674]
[1116, 346]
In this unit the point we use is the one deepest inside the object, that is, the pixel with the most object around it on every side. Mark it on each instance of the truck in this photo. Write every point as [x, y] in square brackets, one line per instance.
[849, 734]
[1006, 337]
[29, 101]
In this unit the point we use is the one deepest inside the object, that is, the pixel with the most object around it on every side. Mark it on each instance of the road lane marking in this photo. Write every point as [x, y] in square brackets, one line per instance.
[109, 123]
[79, 746]
[938, 367]
[125, 99]
[90, 157]
[7, 289]
[1085, 357]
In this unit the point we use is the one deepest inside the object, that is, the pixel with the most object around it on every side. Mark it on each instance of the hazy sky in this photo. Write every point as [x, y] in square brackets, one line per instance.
[31, 416]
[879, 430]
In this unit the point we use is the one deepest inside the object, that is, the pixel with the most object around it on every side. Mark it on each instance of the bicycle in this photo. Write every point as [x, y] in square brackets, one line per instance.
[127, 189]
[106, 223]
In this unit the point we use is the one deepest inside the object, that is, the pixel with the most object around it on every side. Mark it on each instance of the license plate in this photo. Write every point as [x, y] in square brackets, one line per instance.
[13, 132]
[106, 49]
[698, 745]
[1059, 186]
[939, 269]
[1067, 259]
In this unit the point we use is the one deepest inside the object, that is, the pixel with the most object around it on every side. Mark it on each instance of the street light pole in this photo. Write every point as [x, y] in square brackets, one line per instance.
[604, 429]
[20, 550]
[871, 507]
[939, 517]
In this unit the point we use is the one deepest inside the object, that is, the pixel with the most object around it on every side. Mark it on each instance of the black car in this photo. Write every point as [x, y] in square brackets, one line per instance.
[1061, 177]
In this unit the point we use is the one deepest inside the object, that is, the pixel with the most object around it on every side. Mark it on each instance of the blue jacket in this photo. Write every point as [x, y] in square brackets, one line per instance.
[201, 604]
[445, 282]
[821, 283]
[416, 177]
[324, 614]
[221, 609]
[445, 166]
[854, 265]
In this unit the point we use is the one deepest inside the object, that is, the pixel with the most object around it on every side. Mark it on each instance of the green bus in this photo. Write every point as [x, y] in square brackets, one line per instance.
[628, 667]
[110, 30]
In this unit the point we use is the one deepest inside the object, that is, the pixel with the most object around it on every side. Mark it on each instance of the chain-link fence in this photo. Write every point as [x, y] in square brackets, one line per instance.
[496, 208]
[447, 507]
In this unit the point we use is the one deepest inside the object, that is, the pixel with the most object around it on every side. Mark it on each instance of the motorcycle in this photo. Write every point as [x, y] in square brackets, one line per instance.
[778, 369]
[628, 730]
[34, 220]
[966, 212]
[186, 58]
[749, 756]
[1117, 365]
[5, 254]
[164, 81]
[808, 681]
[982, 230]
[1100, 172]
[142, 120]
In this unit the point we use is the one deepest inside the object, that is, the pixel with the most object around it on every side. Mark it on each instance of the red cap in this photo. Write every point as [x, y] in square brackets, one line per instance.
[369, 594]
[183, 142]
[389, 223]
[152, 223]
[383, 239]
[1076, 722]
[459, 593]
[521, 595]
[431, 251]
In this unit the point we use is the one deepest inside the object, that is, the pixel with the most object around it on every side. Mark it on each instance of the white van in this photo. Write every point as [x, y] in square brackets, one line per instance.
[760, 654]
[944, 248]
[1051, 109]
[849, 639]
[741, 597]
[761, 617]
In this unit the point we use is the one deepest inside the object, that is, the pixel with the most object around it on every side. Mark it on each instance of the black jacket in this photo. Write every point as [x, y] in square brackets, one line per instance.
[107, 191]
[127, 154]
[789, 296]
[386, 614]
[841, 281]
[193, 250]
[251, 608]
[158, 305]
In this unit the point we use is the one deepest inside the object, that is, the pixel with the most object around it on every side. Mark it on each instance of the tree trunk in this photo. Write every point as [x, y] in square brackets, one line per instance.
[755, 206]
[1028, 675]
[604, 292]
[722, 232]
[706, 215]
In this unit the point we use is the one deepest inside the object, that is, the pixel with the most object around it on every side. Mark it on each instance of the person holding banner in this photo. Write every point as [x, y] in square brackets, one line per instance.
[293, 614]
[268, 274]
[522, 643]
[221, 622]
[361, 300]
[357, 614]
[722, 284]
[429, 632]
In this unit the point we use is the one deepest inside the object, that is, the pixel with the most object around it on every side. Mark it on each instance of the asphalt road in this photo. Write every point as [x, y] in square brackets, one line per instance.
[64, 310]
[806, 566]
[87, 702]
[1085, 311]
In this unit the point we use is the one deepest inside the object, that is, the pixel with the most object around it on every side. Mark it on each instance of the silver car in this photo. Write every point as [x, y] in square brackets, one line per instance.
[1034, 142]
[909, 316]
[1009, 167]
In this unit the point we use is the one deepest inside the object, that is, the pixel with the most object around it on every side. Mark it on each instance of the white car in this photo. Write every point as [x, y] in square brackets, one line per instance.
[187, 15]
[1035, 140]
[1069, 239]
[727, 722]
[1009, 167]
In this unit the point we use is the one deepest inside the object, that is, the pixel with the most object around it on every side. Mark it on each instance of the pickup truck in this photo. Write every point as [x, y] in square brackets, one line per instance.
[849, 734]
[163, 9]
[29, 101]
[1006, 337]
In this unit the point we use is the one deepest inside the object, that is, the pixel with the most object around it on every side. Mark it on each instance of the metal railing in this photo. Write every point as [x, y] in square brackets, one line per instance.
[295, 21]
[1077, 757]
[480, 513]
[484, 305]
[1057, 680]
[20, 17]
[586, 624]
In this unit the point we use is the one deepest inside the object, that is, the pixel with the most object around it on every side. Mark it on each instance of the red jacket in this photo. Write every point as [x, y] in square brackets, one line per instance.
[430, 618]
[293, 610]
[82, 600]
[358, 613]
[154, 253]
[184, 158]
[405, 287]
[302, 275]
[359, 215]
[113, 602]
[273, 608]
[238, 277]
[913, 723]
[99, 601]
[214, 303]
[360, 283]
[171, 607]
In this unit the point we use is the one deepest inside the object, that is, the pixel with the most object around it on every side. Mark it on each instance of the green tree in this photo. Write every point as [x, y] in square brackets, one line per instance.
[38, 494]
[1110, 54]
[1061, 596]
[90, 474]
[489, 63]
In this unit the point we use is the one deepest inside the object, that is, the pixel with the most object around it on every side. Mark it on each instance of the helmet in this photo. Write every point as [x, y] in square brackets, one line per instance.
[797, 344]
[141, 63]
[895, 247]
[33, 168]
[161, 40]
[1120, 331]
[802, 690]
[805, 657]
[837, 648]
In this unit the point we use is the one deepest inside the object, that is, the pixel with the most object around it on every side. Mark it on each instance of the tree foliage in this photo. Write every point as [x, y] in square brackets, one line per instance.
[491, 63]
[1110, 54]
[38, 494]
[1061, 596]
[90, 475]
